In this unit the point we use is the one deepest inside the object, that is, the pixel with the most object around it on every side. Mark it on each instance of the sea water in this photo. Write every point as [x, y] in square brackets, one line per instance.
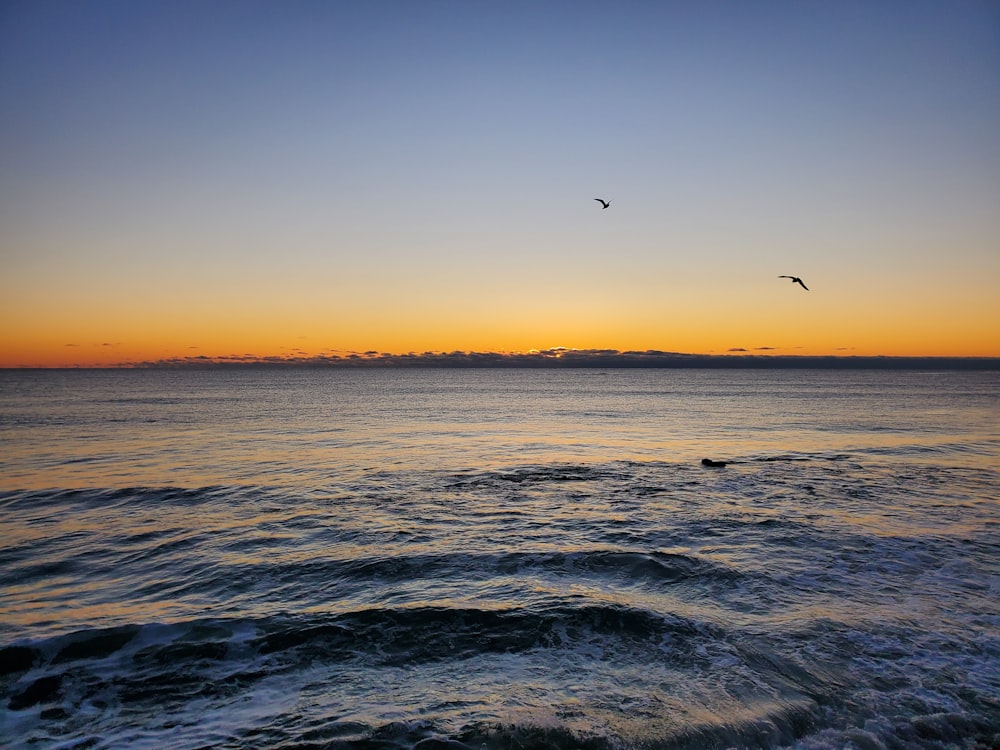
[326, 558]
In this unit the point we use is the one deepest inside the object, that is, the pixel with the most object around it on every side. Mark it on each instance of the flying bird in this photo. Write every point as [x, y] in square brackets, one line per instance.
[795, 280]
[604, 203]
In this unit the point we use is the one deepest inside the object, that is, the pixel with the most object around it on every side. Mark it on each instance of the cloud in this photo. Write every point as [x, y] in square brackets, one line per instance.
[562, 357]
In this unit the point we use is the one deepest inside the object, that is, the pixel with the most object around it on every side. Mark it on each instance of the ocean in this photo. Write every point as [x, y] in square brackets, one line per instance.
[490, 558]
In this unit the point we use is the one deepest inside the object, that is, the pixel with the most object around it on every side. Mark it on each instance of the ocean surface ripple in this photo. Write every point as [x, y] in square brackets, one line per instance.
[500, 560]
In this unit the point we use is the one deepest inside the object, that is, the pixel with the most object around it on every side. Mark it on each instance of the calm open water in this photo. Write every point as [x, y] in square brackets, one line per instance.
[499, 559]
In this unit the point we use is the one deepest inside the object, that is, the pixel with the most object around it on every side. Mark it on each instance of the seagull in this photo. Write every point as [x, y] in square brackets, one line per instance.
[795, 280]
[604, 203]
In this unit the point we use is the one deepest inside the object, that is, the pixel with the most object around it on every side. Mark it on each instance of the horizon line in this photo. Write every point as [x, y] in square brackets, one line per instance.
[553, 358]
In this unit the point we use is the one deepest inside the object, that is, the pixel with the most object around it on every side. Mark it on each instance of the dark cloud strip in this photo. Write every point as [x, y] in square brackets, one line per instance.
[579, 358]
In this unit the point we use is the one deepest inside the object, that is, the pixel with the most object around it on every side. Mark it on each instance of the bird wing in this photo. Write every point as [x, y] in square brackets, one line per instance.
[795, 280]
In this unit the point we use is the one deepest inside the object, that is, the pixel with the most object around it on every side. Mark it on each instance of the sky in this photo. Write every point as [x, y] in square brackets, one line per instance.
[294, 179]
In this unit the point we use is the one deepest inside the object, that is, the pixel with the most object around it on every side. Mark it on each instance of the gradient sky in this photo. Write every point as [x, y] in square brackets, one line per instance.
[222, 178]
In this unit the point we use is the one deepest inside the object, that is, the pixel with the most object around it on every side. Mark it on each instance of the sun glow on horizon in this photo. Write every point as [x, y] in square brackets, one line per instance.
[107, 354]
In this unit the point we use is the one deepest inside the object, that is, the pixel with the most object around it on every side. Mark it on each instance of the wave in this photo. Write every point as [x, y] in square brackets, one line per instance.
[174, 683]
[982, 448]
[437, 633]
[650, 568]
[409, 634]
[108, 498]
[170, 668]
[535, 474]
[821, 456]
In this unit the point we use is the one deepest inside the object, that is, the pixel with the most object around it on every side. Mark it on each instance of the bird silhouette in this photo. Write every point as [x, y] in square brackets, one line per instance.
[604, 203]
[795, 280]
